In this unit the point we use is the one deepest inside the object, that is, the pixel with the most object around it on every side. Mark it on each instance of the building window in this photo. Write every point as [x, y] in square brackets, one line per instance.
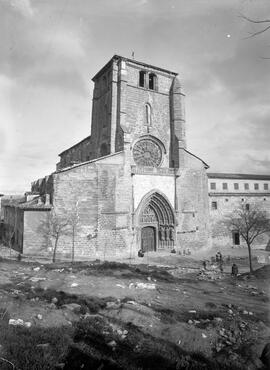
[142, 79]
[236, 186]
[213, 186]
[105, 116]
[224, 186]
[256, 186]
[104, 82]
[104, 150]
[265, 186]
[214, 205]
[236, 238]
[247, 207]
[148, 113]
[152, 81]
[246, 186]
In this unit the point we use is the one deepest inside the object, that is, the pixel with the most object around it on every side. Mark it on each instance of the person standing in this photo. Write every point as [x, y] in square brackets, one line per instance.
[234, 270]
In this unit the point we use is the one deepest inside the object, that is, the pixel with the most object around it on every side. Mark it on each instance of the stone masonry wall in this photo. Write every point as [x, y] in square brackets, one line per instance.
[14, 227]
[193, 230]
[80, 152]
[226, 204]
[35, 239]
[143, 184]
[101, 195]
[136, 99]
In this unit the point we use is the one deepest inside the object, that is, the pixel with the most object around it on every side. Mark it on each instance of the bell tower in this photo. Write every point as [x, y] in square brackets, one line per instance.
[138, 106]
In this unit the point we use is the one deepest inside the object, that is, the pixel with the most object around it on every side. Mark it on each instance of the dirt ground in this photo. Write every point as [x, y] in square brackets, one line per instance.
[155, 312]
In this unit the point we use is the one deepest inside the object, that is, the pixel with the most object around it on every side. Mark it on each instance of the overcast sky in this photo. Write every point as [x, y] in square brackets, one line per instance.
[50, 50]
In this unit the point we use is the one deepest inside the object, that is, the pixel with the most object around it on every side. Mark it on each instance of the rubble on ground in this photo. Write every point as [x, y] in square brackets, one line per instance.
[137, 285]
[74, 307]
[179, 271]
[19, 322]
[210, 275]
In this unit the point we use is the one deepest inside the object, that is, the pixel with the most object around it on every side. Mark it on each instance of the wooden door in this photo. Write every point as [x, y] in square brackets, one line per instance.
[148, 239]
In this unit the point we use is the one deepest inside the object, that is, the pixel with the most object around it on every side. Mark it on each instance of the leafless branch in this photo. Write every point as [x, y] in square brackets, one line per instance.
[5, 360]
[249, 223]
[253, 20]
[3, 314]
[261, 21]
[258, 32]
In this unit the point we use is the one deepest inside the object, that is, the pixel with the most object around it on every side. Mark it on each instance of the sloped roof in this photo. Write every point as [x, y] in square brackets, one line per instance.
[238, 176]
[30, 205]
[195, 156]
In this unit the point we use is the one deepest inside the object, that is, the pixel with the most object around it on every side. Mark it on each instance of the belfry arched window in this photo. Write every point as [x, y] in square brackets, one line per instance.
[152, 81]
[142, 79]
[148, 114]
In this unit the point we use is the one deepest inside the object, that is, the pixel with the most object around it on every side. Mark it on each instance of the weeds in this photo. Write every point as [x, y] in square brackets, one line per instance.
[115, 269]
[88, 304]
[20, 346]
[138, 351]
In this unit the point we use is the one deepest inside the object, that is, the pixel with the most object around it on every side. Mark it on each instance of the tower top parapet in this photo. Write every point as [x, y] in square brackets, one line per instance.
[131, 61]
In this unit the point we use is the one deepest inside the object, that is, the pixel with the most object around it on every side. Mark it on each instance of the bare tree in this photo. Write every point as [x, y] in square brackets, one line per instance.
[57, 226]
[250, 222]
[10, 238]
[73, 222]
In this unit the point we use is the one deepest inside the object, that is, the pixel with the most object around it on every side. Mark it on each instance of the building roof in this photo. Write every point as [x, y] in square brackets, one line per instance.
[32, 204]
[238, 176]
[205, 164]
[87, 162]
[11, 199]
[73, 146]
[117, 57]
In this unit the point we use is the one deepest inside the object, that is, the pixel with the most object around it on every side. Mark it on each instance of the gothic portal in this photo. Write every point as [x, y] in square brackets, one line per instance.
[156, 223]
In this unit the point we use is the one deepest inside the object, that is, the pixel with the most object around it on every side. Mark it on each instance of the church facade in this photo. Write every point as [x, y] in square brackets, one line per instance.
[132, 184]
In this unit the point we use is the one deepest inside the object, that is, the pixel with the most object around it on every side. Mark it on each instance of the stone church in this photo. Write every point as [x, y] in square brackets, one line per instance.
[132, 183]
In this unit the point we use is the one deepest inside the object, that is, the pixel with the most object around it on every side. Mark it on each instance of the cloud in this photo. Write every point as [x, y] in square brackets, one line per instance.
[39, 43]
[50, 49]
[262, 165]
[65, 78]
[24, 7]
[6, 118]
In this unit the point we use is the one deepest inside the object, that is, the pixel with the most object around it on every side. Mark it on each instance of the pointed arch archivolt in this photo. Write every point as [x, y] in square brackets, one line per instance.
[155, 210]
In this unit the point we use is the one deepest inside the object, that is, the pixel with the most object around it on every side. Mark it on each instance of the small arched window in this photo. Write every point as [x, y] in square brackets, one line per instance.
[152, 81]
[104, 82]
[105, 118]
[104, 149]
[148, 114]
[142, 79]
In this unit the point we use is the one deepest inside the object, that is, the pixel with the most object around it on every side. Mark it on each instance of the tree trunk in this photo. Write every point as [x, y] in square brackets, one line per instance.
[54, 250]
[73, 242]
[10, 242]
[250, 257]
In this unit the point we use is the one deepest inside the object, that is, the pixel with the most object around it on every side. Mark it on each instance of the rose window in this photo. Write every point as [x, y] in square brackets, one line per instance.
[147, 152]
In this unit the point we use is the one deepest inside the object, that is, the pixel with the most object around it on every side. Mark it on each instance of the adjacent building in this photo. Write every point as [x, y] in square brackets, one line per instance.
[228, 192]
